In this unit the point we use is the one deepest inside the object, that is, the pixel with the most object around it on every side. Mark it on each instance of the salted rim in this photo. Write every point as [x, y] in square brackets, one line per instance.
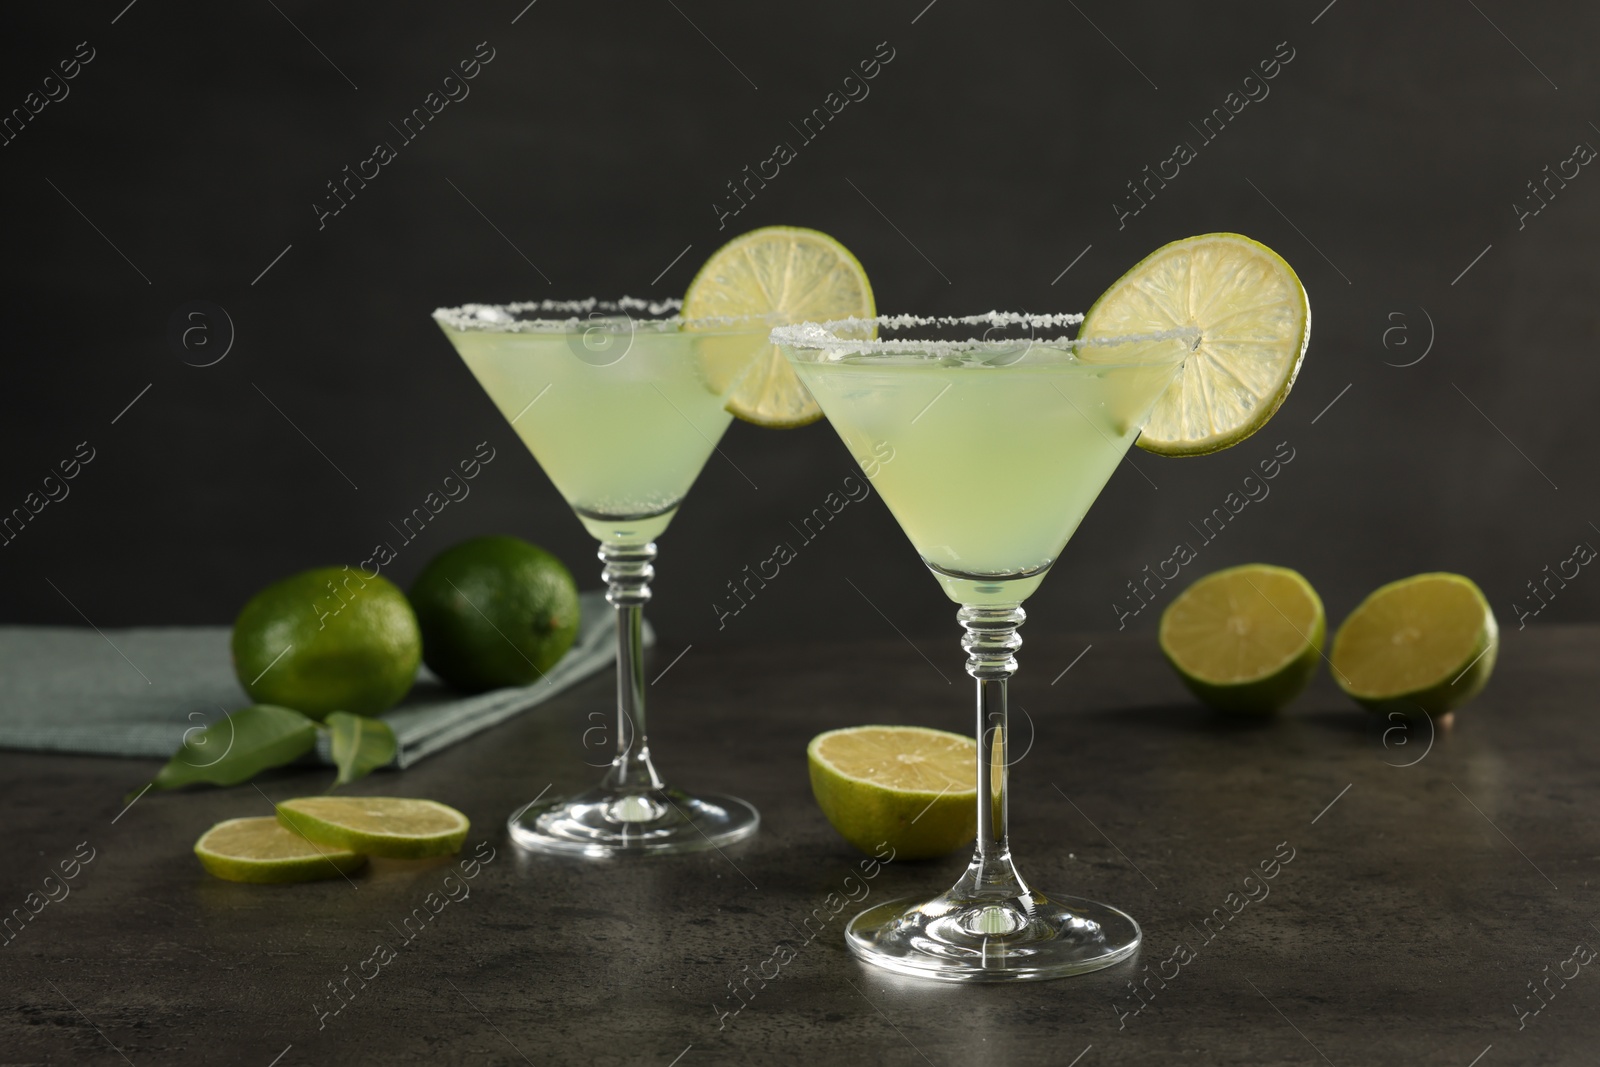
[661, 315]
[825, 336]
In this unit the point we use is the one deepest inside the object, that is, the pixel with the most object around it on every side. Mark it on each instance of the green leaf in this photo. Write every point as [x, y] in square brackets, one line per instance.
[236, 748]
[360, 745]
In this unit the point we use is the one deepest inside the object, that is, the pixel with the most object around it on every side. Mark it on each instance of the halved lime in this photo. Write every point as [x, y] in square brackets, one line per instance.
[909, 787]
[261, 850]
[1422, 644]
[793, 275]
[1254, 321]
[1245, 639]
[393, 827]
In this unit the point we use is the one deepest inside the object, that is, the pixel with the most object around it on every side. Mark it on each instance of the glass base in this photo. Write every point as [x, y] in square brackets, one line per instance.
[605, 822]
[1019, 939]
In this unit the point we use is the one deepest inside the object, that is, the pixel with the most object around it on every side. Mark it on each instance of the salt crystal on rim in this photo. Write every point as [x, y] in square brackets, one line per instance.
[825, 336]
[579, 314]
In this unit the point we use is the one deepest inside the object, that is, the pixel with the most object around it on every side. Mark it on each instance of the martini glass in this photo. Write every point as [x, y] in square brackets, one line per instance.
[621, 403]
[999, 444]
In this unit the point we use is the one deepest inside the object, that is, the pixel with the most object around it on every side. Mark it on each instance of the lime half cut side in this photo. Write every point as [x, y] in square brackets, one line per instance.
[263, 851]
[1246, 639]
[1254, 323]
[790, 274]
[1424, 644]
[907, 787]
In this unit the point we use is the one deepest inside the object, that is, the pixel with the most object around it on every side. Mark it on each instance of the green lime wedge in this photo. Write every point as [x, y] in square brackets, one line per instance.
[1422, 644]
[393, 827]
[792, 274]
[262, 850]
[909, 787]
[1254, 321]
[1245, 639]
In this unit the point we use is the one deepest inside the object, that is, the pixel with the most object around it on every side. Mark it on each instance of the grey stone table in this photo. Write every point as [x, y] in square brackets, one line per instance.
[1419, 904]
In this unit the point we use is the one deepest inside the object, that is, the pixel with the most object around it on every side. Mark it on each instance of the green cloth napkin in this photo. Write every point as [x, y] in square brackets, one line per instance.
[135, 692]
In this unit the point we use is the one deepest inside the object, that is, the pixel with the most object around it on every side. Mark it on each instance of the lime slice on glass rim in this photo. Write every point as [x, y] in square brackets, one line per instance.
[261, 850]
[909, 787]
[1246, 639]
[1254, 323]
[1423, 644]
[792, 275]
[393, 827]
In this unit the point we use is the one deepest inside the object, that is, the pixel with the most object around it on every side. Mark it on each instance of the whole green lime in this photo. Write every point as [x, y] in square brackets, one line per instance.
[326, 640]
[495, 611]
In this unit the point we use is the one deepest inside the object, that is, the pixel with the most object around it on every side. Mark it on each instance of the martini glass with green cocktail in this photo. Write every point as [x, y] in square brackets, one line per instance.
[621, 403]
[1003, 429]
[1000, 445]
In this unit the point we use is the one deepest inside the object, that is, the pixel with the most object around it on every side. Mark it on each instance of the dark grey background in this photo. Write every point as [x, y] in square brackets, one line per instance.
[1385, 161]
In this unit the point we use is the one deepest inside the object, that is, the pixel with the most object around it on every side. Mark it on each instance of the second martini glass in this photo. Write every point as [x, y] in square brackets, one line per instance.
[620, 404]
[1000, 444]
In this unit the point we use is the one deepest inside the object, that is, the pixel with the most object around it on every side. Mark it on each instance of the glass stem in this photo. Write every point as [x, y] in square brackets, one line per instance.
[627, 575]
[991, 642]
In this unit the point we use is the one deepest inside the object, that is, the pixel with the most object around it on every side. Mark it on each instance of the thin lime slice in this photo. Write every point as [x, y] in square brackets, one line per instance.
[1422, 644]
[788, 273]
[909, 787]
[1246, 639]
[394, 827]
[263, 851]
[1254, 321]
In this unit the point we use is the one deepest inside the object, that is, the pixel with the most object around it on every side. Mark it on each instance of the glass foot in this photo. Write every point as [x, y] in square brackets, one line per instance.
[604, 822]
[1011, 939]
